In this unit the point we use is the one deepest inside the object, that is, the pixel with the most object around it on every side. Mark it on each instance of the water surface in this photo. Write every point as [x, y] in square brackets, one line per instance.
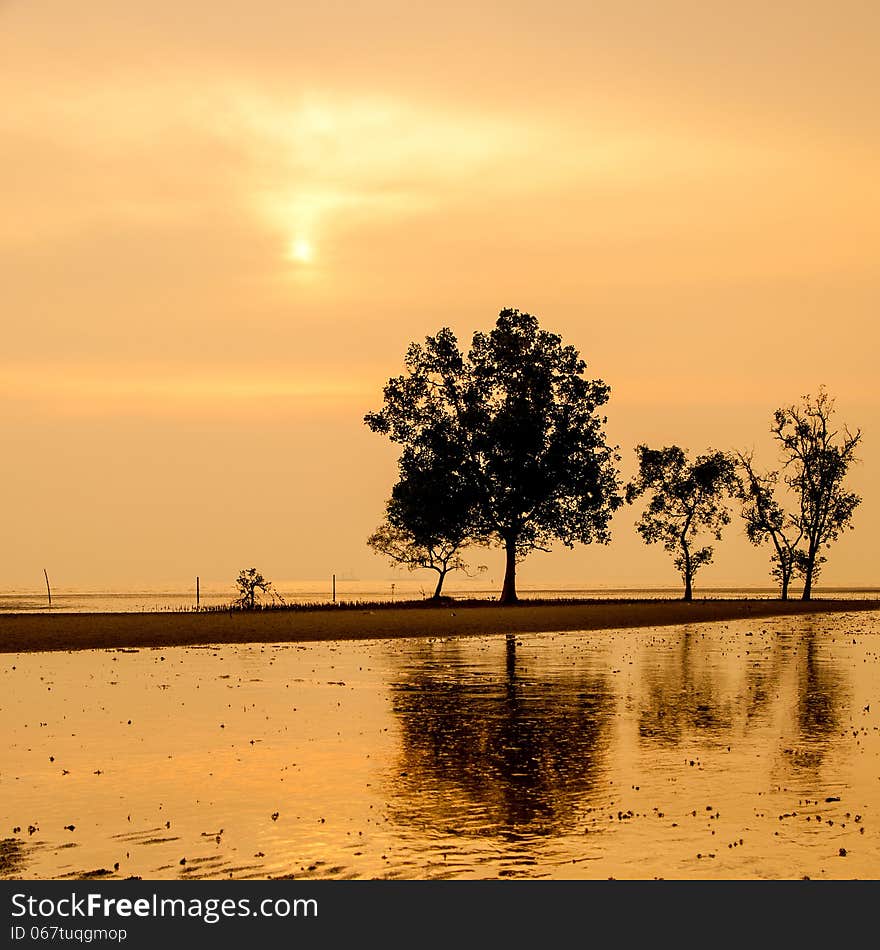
[735, 750]
[214, 595]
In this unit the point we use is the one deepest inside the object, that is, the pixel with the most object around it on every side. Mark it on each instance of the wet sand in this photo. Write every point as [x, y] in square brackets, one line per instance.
[24, 633]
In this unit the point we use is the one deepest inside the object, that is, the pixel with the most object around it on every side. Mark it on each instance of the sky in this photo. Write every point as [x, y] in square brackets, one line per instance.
[224, 221]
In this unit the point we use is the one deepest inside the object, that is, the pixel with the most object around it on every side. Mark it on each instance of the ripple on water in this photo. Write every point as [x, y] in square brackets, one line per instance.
[719, 750]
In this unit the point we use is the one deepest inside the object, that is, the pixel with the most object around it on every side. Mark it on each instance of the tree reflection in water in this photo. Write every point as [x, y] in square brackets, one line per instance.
[497, 753]
[687, 696]
[819, 689]
[12, 854]
[820, 703]
[681, 697]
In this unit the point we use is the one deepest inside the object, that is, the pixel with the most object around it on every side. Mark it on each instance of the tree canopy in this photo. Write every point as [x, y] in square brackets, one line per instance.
[685, 499]
[509, 434]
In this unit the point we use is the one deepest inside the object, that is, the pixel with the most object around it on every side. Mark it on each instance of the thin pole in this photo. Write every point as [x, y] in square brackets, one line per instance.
[197, 590]
[334, 588]
[48, 588]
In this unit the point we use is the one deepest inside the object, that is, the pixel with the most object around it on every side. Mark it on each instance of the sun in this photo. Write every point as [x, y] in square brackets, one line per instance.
[300, 250]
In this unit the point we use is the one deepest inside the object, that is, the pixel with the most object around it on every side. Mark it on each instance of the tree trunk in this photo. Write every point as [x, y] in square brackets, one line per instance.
[785, 579]
[439, 586]
[688, 591]
[508, 592]
[808, 576]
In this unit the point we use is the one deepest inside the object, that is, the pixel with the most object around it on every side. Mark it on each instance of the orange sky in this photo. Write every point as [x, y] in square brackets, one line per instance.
[224, 221]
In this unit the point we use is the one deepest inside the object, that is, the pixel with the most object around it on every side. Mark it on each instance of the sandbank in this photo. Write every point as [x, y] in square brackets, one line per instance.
[21, 633]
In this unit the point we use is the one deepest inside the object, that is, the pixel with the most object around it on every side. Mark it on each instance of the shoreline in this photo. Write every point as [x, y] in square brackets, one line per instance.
[32, 633]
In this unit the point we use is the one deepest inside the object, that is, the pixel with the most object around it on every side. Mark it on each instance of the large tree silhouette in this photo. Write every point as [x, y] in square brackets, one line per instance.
[515, 423]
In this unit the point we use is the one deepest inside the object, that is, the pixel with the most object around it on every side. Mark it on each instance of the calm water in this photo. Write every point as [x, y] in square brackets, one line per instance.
[721, 750]
[75, 600]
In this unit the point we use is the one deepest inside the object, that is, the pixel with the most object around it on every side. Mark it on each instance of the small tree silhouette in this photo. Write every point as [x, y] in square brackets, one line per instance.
[766, 518]
[402, 547]
[685, 499]
[816, 460]
[249, 581]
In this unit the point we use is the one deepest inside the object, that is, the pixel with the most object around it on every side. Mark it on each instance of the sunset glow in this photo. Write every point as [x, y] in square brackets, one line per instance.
[213, 215]
[300, 250]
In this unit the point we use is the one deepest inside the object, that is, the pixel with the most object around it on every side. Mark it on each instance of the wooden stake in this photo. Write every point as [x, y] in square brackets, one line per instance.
[48, 588]
[334, 588]
[197, 590]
